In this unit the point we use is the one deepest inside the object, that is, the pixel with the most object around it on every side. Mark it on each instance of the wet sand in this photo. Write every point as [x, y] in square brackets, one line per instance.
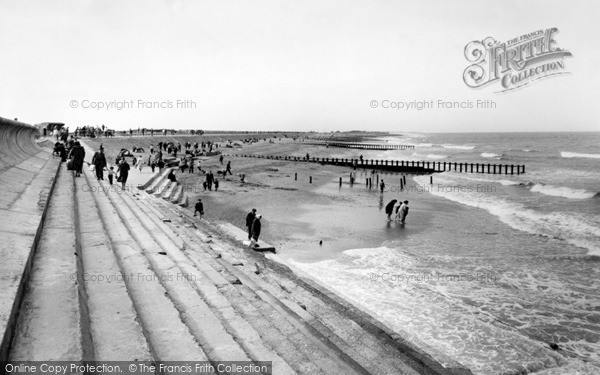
[299, 214]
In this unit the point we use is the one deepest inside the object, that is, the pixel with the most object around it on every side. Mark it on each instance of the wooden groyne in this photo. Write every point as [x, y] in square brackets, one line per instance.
[410, 166]
[360, 145]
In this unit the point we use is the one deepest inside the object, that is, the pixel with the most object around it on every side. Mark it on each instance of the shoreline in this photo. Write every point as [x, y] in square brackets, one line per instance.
[299, 214]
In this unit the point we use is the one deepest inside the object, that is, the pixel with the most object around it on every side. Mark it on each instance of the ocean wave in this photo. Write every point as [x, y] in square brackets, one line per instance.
[499, 181]
[424, 145]
[562, 191]
[490, 155]
[566, 154]
[459, 147]
[430, 156]
[558, 225]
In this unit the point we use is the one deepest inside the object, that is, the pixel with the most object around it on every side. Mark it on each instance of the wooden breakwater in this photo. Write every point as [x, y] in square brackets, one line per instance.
[410, 166]
[360, 145]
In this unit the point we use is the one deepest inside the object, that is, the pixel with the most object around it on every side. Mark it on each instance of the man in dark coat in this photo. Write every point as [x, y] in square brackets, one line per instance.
[210, 178]
[78, 154]
[389, 209]
[172, 177]
[199, 207]
[123, 172]
[99, 161]
[249, 220]
[256, 226]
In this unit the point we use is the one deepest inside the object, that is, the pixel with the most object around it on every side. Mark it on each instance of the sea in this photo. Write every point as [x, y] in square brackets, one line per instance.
[504, 278]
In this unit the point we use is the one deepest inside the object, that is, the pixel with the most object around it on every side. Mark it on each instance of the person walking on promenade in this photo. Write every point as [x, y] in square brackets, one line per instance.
[381, 186]
[99, 161]
[228, 169]
[389, 209]
[249, 220]
[256, 227]
[403, 212]
[110, 174]
[123, 173]
[78, 154]
[199, 207]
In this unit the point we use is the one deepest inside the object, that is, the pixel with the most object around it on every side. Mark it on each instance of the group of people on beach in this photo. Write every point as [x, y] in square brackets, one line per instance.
[254, 226]
[398, 209]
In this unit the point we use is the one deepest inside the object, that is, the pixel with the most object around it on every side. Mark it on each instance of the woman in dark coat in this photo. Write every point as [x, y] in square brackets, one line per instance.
[389, 209]
[78, 154]
[256, 225]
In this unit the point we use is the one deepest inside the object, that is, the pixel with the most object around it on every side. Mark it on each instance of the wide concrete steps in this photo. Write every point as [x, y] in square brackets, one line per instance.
[49, 326]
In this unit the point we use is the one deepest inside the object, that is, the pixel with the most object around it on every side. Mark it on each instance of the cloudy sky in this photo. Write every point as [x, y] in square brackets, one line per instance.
[289, 65]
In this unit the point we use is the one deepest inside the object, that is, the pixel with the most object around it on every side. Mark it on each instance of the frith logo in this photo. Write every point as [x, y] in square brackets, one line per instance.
[515, 63]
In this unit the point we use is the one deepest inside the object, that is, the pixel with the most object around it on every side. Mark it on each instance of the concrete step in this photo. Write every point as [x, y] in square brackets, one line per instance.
[20, 231]
[306, 342]
[169, 192]
[49, 325]
[177, 195]
[159, 178]
[116, 332]
[179, 277]
[168, 336]
[162, 187]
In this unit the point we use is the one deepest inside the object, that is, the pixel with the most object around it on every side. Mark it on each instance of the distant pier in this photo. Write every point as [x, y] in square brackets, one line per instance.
[410, 166]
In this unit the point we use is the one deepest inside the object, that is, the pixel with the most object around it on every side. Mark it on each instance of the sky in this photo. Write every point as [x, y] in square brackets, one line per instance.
[309, 65]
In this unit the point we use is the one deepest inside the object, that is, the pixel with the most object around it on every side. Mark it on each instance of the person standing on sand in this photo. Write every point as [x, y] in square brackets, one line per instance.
[249, 220]
[396, 209]
[199, 208]
[403, 212]
[99, 161]
[389, 209]
[256, 227]
[221, 159]
[381, 186]
[209, 179]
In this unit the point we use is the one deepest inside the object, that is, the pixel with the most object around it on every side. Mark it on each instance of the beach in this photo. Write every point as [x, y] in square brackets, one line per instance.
[465, 278]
